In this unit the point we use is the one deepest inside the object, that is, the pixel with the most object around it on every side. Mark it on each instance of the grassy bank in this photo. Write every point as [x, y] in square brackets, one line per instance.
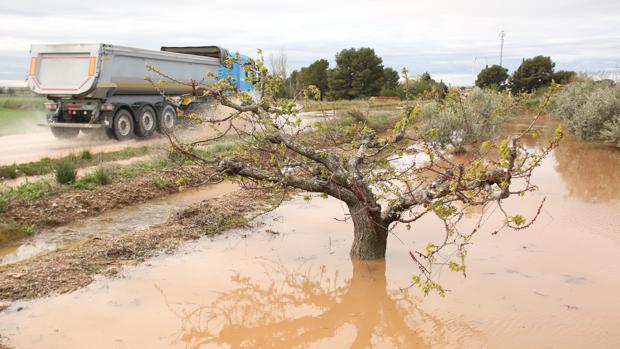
[22, 102]
[19, 120]
[45, 203]
[309, 105]
[20, 114]
[83, 159]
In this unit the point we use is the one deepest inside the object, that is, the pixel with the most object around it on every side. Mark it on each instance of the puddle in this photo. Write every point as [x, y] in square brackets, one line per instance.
[113, 223]
[289, 283]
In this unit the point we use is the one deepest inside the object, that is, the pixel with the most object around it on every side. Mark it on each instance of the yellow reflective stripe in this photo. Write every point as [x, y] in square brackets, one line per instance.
[91, 66]
[33, 66]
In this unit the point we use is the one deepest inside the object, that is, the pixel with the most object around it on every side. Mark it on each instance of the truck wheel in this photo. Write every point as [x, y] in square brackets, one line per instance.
[146, 122]
[65, 133]
[122, 127]
[167, 119]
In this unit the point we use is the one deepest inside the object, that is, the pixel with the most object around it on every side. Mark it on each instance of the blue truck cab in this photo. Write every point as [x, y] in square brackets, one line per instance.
[237, 70]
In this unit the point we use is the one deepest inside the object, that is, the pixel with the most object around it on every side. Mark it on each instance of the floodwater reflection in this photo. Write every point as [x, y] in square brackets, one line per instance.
[301, 309]
[591, 171]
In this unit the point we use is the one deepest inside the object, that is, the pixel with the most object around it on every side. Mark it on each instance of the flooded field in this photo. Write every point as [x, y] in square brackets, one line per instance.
[288, 281]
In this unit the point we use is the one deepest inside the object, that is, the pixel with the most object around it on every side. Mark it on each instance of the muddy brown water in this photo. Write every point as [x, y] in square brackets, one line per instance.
[288, 282]
[112, 223]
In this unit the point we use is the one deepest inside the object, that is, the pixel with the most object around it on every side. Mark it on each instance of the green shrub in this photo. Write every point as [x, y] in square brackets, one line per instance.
[4, 203]
[86, 155]
[590, 110]
[8, 171]
[162, 183]
[28, 191]
[29, 229]
[65, 172]
[456, 122]
[101, 176]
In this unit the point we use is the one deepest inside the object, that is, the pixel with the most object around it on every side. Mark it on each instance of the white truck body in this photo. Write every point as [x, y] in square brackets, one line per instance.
[93, 86]
[100, 70]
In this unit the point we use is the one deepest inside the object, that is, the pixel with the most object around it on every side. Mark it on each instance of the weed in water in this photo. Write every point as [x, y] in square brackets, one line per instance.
[65, 171]
[29, 229]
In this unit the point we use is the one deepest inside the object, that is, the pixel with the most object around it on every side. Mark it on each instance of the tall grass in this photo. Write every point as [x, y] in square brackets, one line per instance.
[65, 172]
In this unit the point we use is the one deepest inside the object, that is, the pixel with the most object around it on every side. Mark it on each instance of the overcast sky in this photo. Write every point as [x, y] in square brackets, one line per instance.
[452, 40]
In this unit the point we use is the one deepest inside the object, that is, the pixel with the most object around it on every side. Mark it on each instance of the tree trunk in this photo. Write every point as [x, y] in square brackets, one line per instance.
[370, 234]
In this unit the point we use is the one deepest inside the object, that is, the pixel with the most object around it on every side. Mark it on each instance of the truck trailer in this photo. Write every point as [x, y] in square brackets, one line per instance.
[94, 86]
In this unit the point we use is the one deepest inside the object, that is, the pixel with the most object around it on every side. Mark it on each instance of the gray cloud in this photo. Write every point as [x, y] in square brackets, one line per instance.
[449, 39]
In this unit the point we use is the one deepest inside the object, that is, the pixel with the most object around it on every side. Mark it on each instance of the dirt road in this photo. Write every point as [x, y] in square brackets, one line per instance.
[19, 148]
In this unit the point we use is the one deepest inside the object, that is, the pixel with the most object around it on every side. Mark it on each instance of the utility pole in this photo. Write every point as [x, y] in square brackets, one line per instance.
[502, 34]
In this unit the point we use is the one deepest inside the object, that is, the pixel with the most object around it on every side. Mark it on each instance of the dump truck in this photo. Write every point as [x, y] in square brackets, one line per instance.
[95, 86]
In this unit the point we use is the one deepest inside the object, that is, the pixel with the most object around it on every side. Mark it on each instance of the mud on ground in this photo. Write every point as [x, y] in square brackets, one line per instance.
[62, 206]
[75, 266]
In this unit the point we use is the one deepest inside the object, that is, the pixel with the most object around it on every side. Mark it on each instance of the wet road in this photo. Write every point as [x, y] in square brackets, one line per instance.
[32, 146]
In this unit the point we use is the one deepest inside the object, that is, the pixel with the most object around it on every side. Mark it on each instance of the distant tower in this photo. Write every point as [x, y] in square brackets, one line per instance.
[502, 34]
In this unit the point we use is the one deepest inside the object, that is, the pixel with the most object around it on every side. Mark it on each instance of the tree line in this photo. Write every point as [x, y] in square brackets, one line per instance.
[532, 74]
[359, 73]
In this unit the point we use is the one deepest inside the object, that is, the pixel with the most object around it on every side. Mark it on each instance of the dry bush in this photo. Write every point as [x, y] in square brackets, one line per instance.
[590, 110]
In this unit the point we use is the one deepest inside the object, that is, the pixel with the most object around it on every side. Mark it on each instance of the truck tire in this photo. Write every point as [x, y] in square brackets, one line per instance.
[167, 119]
[122, 126]
[65, 133]
[146, 122]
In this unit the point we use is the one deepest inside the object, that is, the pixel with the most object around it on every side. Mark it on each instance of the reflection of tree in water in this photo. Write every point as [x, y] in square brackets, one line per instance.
[591, 171]
[304, 308]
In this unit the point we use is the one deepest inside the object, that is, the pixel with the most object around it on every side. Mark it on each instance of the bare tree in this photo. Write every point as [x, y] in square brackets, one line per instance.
[396, 177]
[279, 64]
